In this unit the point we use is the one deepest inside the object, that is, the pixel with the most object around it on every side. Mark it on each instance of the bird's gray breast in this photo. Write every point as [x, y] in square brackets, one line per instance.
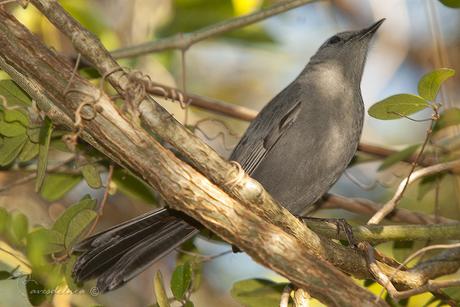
[322, 138]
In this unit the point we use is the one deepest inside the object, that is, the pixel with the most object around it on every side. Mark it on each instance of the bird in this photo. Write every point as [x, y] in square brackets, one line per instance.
[296, 148]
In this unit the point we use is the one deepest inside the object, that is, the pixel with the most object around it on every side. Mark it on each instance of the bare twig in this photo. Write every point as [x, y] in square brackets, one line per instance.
[285, 295]
[183, 41]
[390, 205]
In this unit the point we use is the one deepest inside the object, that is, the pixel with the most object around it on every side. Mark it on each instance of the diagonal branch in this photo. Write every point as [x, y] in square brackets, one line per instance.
[183, 41]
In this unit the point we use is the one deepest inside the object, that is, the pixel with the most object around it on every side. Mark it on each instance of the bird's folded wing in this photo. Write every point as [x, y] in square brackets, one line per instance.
[261, 136]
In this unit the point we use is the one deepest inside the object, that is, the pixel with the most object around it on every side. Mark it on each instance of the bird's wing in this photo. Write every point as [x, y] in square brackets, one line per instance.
[263, 133]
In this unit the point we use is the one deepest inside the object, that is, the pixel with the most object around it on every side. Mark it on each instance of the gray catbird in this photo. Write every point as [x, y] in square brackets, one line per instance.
[297, 147]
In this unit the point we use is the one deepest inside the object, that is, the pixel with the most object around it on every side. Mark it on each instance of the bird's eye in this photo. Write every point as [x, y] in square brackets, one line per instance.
[335, 39]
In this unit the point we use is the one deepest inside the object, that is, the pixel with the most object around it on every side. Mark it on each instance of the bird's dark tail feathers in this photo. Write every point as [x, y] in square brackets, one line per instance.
[118, 254]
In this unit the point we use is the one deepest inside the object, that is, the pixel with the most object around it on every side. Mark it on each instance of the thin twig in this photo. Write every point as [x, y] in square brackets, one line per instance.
[183, 41]
[390, 205]
[285, 295]
[413, 175]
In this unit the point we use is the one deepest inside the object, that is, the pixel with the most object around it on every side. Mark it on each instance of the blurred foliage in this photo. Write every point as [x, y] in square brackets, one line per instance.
[451, 3]
[192, 15]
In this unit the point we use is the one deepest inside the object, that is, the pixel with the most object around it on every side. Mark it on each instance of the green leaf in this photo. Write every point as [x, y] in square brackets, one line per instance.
[68, 269]
[257, 292]
[62, 223]
[11, 129]
[197, 266]
[91, 175]
[55, 186]
[160, 292]
[16, 116]
[44, 141]
[29, 151]
[453, 293]
[188, 304]
[38, 246]
[181, 280]
[428, 86]
[18, 227]
[396, 106]
[398, 156]
[4, 219]
[11, 148]
[449, 117]
[13, 94]
[5, 275]
[35, 292]
[34, 134]
[78, 224]
[451, 3]
[132, 187]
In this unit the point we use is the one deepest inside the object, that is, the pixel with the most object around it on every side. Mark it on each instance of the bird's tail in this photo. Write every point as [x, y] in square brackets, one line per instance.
[118, 254]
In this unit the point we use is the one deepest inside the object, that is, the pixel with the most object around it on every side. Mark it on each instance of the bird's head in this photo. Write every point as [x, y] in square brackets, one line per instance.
[347, 50]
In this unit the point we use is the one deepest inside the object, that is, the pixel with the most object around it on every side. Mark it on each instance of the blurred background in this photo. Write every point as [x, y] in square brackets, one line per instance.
[248, 67]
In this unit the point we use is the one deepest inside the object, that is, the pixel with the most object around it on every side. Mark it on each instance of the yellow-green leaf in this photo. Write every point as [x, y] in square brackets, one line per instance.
[396, 106]
[131, 186]
[56, 186]
[91, 175]
[160, 292]
[78, 224]
[44, 141]
[29, 151]
[11, 129]
[451, 3]
[18, 227]
[428, 86]
[16, 116]
[4, 218]
[11, 148]
[63, 221]
[13, 94]
[181, 280]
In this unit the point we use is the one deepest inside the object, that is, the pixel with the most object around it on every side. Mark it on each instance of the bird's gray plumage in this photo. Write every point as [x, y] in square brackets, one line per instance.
[304, 138]
[296, 148]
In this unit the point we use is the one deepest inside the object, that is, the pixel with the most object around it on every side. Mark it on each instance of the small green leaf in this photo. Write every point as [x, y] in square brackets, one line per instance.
[55, 186]
[16, 116]
[68, 269]
[38, 242]
[13, 94]
[398, 156]
[44, 141]
[428, 86]
[181, 280]
[62, 223]
[132, 187]
[5, 275]
[453, 293]
[257, 292]
[36, 292]
[29, 151]
[11, 129]
[396, 106]
[11, 148]
[34, 134]
[91, 175]
[188, 304]
[18, 227]
[4, 219]
[451, 3]
[77, 225]
[160, 292]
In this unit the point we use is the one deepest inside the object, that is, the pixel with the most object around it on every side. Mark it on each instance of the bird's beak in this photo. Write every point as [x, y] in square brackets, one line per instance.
[369, 31]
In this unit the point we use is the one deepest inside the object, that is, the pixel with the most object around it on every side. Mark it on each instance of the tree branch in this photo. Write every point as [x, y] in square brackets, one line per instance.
[183, 41]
